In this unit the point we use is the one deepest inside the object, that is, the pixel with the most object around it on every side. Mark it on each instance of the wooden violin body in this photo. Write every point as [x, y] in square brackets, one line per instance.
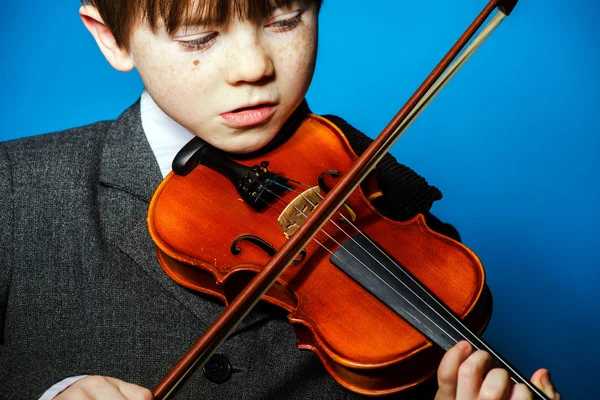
[209, 240]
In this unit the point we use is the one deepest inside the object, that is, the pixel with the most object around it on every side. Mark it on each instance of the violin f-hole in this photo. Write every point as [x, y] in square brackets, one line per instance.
[261, 244]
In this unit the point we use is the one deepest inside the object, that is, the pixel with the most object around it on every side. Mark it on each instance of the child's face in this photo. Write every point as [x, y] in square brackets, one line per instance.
[206, 77]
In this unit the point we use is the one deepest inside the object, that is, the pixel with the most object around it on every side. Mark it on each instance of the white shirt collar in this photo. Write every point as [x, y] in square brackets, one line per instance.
[165, 135]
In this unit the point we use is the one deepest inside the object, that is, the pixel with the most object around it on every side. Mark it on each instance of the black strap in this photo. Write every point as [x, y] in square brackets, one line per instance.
[405, 193]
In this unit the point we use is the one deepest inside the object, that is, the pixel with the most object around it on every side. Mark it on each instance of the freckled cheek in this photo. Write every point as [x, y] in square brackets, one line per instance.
[298, 59]
[166, 79]
[153, 72]
[180, 84]
[187, 94]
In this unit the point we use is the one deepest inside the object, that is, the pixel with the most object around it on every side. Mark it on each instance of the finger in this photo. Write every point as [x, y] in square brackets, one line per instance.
[448, 370]
[471, 373]
[520, 391]
[542, 380]
[496, 385]
[73, 394]
[101, 387]
[92, 387]
[132, 391]
[107, 392]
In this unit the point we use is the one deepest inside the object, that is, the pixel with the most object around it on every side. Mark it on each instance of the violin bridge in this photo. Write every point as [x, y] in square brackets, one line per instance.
[298, 210]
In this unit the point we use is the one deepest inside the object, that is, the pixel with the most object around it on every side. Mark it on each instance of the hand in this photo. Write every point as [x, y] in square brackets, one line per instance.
[466, 376]
[102, 387]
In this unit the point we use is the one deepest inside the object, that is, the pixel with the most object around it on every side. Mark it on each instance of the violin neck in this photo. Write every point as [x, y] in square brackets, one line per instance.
[396, 287]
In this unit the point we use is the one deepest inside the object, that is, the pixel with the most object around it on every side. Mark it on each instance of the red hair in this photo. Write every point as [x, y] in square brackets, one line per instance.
[120, 16]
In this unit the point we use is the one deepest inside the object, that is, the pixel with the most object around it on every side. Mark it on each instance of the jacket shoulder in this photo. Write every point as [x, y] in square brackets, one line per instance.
[63, 141]
[65, 153]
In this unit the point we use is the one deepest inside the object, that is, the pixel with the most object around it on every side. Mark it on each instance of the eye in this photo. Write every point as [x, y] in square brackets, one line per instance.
[198, 44]
[287, 24]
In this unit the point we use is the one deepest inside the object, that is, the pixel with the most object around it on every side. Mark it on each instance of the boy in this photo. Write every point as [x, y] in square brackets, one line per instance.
[80, 288]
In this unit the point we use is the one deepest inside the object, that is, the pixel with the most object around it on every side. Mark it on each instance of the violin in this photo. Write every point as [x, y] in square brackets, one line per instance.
[376, 300]
[214, 243]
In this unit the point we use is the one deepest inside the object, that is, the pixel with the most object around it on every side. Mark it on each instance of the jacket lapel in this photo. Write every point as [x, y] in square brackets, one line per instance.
[129, 174]
[128, 177]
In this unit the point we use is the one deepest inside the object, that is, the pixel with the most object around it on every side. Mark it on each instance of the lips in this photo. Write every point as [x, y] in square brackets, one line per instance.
[249, 115]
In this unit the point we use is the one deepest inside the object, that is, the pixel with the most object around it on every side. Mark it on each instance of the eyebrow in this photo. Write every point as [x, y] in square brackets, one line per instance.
[201, 16]
[195, 22]
[220, 12]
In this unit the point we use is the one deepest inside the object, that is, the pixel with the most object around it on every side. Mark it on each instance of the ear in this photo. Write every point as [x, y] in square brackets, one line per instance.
[119, 58]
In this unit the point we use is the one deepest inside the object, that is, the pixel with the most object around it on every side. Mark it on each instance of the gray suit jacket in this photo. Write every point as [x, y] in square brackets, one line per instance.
[81, 291]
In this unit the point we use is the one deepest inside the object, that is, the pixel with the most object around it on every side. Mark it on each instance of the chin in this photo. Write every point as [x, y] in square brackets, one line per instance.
[245, 149]
[253, 143]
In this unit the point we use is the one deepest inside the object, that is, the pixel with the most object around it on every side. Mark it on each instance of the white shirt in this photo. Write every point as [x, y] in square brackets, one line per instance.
[166, 137]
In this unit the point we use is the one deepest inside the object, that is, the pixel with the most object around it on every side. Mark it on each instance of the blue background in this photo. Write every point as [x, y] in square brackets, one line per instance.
[512, 142]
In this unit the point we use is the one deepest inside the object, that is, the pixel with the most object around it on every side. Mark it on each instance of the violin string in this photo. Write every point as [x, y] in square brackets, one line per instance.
[365, 266]
[333, 254]
[362, 263]
[481, 343]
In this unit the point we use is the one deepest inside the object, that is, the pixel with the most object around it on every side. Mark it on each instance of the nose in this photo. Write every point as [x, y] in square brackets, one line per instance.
[251, 63]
